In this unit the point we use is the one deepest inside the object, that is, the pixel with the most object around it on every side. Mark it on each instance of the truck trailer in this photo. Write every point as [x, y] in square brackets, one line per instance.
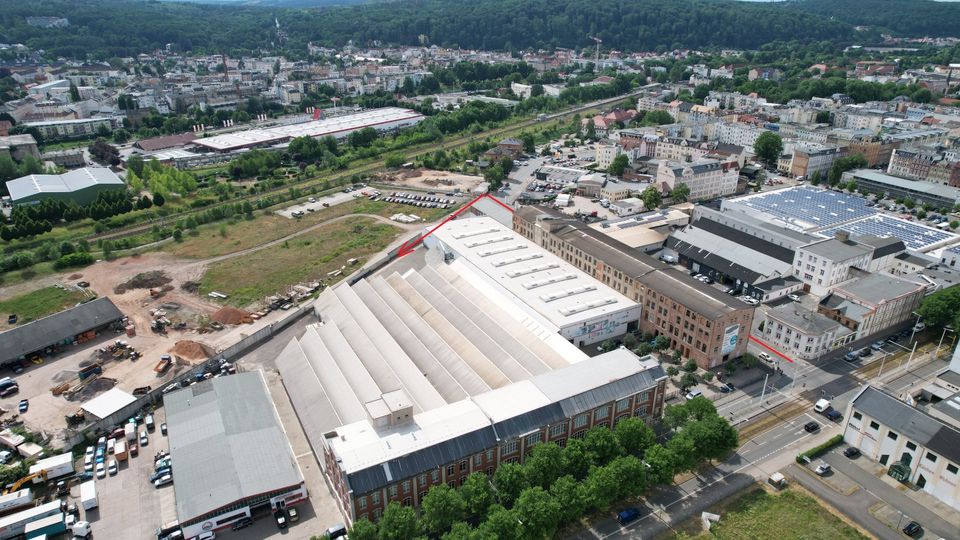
[88, 495]
[55, 467]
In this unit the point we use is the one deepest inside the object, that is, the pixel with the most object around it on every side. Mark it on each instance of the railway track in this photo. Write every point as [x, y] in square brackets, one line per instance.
[375, 166]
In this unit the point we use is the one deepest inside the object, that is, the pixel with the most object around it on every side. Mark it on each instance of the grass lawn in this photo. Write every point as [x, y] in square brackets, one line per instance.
[247, 234]
[39, 303]
[249, 278]
[21, 276]
[788, 515]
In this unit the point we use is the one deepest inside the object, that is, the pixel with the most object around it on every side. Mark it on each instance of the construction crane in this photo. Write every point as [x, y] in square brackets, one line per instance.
[596, 58]
[19, 483]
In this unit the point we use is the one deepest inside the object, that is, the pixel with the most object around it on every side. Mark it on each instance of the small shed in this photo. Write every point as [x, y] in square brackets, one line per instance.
[108, 403]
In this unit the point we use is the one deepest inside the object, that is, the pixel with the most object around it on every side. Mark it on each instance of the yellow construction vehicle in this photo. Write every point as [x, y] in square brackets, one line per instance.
[19, 483]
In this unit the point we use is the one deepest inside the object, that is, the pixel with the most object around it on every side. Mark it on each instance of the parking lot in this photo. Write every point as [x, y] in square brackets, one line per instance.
[315, 204]
[130, 506]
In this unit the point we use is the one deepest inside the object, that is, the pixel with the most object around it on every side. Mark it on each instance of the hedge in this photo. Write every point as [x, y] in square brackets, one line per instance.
[818, 451]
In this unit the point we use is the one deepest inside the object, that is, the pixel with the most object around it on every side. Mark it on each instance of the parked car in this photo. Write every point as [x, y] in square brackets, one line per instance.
[143, 438]
[337, 531]
[822, 469]
[101, 470]
[794, 297]
[627, 515]
[811, 427]
[112, 467]
[281, 518]
[725, 389]
[852, 452]
[206, 535]
[242, 523]
[23, 406]
[149, 423]
[163, 480]
[9, 390]
[293, 515]
[88, 463]
[865, 352]
[163, 428]
[160, 473]
[913, 529]
[833, 415]
[919, 328]
[693, 394]
[17, 367]
[851, 357]
[878, 345]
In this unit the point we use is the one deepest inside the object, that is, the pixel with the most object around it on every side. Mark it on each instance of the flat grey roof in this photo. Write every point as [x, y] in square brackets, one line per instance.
[809, 322]
[911, 422]
[56, 328]
[877, 288]
[925, 188]
[226, 444]
[837, 250]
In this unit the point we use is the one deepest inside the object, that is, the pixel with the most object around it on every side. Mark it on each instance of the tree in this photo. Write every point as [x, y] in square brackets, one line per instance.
[135, 164]
[177, 235]
[618, 165]
[500, 523]
[441, 508]
[158, 199]
[538, 511]
[661, 342]
[591, 131]
[477, 494]
[529, 143]
[661, 462]
[570, 495]
[543, 465]
[603, 444]
[75, 93]
[651, 198]
[823, 117]
[675, 415]
[577, 459]
[680, 193]
[634, 435]
[602, 486]
[460, 531]
[707, 376]
[688, 380]
[509, 480]
[941, 308]
[394, 161]
[684, 453]
[364, 530]
[768, 148]
[398, 523]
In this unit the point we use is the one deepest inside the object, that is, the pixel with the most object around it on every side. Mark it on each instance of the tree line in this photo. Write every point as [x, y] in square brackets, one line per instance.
[119, 28]
[555, 486]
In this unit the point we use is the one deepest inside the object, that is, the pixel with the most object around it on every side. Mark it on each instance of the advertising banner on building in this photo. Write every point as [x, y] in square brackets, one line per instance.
[730, 336]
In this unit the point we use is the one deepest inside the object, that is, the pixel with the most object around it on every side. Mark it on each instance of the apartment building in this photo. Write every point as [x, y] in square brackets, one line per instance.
[738, 133]
[809, 159]
[823, 264]
[706, 178]
[872, 303]
[704, 324]
[926, 164]
[802, 334]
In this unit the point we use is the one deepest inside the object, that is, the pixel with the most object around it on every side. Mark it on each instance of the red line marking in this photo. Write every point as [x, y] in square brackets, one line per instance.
[408, 247]
[771, 349]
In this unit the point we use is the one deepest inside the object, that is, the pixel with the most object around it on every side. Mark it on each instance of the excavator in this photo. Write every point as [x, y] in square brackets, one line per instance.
[42, 474]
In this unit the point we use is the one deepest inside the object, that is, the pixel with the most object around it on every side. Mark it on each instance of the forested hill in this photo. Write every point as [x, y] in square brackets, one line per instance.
[915, 18]
[110, 28]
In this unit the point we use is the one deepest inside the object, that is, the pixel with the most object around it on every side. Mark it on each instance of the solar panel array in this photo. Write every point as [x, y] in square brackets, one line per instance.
[914, 235]
[816, 208]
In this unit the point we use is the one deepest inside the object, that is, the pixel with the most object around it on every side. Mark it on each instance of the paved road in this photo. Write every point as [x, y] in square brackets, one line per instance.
[755, 460]
[881, 491]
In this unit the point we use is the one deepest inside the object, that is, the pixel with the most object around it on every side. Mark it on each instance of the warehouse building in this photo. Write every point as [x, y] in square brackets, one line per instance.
[418, 379]
[383, 120]
[230, 454]
[72, 325]
[568, 301]
[80, 186]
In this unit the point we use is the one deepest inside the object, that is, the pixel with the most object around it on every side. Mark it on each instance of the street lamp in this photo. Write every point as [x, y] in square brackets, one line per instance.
[914, 331]
[945, 328]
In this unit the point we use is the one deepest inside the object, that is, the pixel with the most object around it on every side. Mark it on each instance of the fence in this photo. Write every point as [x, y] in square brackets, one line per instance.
[75, 436]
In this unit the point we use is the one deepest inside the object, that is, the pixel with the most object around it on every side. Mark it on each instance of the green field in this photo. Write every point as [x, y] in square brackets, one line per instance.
[208, 242]
[39, 303]
[251, 277]
[789, 515]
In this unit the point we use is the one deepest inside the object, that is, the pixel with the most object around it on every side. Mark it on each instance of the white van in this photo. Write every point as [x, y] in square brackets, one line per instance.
[693, 393]
[821, 405]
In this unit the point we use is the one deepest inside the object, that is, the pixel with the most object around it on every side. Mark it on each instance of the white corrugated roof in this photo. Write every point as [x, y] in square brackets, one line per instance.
[108, 403]
[68, 182]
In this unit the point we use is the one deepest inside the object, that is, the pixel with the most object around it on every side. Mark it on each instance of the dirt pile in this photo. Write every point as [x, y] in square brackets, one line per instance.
[229, 315]
[190, 286]
[90, 390]
[75, 276]
[190, 349]
[144, 280]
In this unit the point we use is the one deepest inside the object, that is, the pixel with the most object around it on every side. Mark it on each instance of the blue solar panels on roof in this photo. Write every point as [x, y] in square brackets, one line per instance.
[914, 235]
[809, 207]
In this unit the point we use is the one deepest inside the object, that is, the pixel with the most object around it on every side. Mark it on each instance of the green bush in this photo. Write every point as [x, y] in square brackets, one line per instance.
[73, 259]
[818, 451]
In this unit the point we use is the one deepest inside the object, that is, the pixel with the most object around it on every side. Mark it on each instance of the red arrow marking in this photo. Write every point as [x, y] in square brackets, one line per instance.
[410, 245]
[771, 349]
